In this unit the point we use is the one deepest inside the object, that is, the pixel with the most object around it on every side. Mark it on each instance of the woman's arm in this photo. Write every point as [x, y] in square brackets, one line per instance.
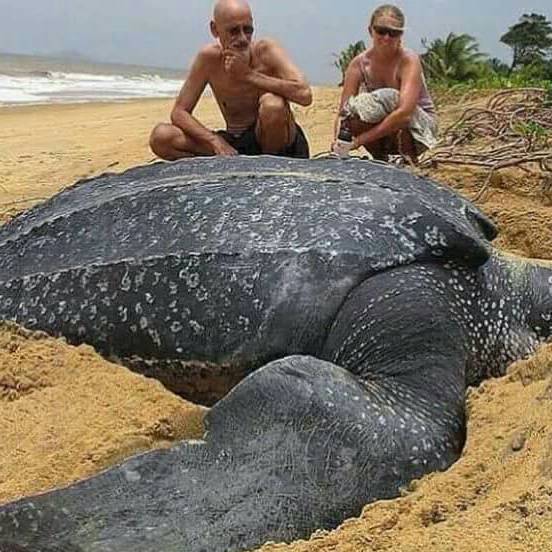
[351, 86]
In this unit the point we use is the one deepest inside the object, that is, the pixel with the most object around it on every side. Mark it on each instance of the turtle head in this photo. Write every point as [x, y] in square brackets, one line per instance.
[525, 285]
[540, 313]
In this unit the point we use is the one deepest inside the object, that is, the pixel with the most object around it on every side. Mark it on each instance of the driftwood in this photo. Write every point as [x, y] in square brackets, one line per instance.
[513, 129]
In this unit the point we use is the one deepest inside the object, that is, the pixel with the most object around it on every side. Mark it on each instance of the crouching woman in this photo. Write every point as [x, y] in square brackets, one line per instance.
[385, 102]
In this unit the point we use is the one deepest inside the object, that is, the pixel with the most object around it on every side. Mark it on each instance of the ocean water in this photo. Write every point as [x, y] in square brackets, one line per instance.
[43, 80]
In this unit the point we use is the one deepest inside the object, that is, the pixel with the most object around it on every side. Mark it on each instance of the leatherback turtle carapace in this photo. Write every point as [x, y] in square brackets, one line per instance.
[359, 300]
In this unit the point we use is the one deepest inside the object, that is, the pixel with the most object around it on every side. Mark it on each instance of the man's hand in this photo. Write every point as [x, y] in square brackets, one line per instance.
[236, 64]
[221, 147]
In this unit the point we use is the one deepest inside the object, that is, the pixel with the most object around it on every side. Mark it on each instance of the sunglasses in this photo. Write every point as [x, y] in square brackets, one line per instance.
[382, 31]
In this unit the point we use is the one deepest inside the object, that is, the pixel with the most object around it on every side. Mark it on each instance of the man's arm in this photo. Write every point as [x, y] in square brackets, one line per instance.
[411, 85]
[181, 115]
[288, 82]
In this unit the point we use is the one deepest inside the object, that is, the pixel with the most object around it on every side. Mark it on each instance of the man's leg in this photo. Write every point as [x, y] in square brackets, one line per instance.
[275, 129]
[169, 142]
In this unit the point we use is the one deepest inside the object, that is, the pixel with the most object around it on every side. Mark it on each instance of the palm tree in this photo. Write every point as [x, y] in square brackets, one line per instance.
[456, 58]
[499, 67]
[347, 55]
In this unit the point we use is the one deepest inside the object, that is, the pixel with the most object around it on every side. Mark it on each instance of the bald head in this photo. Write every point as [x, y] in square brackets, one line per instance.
[225, 10]
[232, 24]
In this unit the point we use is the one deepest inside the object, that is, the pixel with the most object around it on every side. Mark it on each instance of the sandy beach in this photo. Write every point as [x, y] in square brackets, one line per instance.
[67, 413]
[45, 148]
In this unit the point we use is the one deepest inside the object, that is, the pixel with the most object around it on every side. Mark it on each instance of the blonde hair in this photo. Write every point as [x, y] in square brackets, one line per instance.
[388, 9]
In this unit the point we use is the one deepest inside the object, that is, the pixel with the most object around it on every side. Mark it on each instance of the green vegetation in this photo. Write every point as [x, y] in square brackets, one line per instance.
[456, 62]
[530, 40]
[456, 58]
[535, 134]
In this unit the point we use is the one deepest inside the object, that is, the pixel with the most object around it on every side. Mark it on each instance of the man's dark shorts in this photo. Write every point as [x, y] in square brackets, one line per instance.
[246, 143]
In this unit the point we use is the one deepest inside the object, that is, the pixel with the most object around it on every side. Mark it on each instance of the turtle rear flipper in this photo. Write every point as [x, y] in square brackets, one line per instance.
[298, 445]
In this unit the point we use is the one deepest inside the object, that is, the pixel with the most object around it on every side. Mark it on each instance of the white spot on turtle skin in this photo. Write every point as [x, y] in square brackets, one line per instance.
[256, 216]
[192, 280]
[196, 327]
[176, 327]
[139, 278]
[123, 313]
[75, 319]
[154, 336]
[126, 282]
[103, 286]
[132, 476]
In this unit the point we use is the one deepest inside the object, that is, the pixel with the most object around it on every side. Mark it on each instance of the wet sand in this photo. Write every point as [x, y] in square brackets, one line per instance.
[67, 413]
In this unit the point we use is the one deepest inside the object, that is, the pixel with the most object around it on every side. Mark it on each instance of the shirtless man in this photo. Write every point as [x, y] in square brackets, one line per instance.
[253, 83]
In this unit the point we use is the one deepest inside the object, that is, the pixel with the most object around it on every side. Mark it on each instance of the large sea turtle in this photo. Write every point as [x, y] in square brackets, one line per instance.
[359, 301]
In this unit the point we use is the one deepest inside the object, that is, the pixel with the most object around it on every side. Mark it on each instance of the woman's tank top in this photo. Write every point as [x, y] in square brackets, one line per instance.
[369, 85]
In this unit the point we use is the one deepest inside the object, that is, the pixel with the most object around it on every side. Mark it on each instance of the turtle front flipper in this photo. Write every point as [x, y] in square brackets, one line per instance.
[298, 445]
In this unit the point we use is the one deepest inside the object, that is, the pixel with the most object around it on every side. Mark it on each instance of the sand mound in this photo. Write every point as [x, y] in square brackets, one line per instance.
[515, 201]
[67, 413]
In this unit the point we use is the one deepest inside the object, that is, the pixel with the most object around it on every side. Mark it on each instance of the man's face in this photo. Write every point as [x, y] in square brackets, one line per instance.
[234, 30]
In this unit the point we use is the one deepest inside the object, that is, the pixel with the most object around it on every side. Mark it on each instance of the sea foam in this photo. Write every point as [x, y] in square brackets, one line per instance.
[58, 87]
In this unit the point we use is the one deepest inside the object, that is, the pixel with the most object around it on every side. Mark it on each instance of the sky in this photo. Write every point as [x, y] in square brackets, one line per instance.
[168, 33]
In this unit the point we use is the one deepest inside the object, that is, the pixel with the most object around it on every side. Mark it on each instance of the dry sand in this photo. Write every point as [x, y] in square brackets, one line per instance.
[67, 413]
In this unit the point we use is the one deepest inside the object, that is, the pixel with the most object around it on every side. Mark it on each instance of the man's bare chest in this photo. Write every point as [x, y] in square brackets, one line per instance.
[233, 95]
[235, 99]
